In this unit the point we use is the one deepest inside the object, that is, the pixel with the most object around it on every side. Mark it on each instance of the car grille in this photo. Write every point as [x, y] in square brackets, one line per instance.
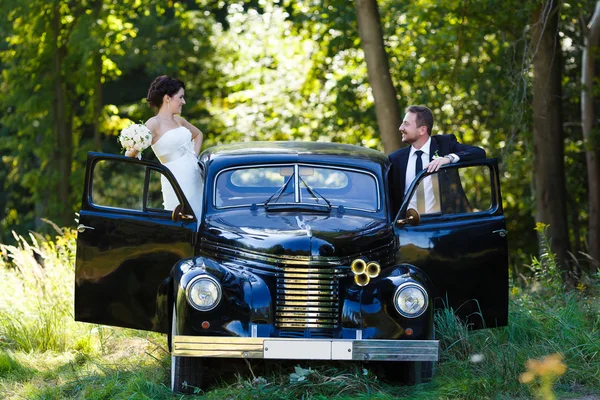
[308, 297]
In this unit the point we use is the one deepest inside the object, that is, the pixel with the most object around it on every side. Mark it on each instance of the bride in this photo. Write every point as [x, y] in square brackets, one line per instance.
[175, 142]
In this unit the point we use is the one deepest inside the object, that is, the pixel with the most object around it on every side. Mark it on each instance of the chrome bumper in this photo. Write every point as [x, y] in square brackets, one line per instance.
[306, 349]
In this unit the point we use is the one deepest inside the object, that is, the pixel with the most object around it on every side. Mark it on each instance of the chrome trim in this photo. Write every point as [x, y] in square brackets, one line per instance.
[196, 279]
[296, 183]
[295, 204]
[294, 277]
[318, 308]
[303, 325]
[373, 269]
[305, 299]
[352, 349]
[308, 302]
[362, 279]
[81, 228]
[313, 288]
[293, 281]
[304, 303]
[425, 295]
[358, 266]
[307, 318]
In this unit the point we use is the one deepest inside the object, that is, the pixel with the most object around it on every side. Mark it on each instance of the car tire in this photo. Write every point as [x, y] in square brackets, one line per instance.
[420, 371]
[187, 375]
[405, 372]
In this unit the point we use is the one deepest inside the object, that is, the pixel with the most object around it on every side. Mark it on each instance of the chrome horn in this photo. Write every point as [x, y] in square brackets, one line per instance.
[364, 270]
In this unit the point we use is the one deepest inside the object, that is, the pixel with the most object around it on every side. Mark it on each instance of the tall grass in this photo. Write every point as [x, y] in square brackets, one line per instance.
[45, 354]
[36, 306]
[492, 360]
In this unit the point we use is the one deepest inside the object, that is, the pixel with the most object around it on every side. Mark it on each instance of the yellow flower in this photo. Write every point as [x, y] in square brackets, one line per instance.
[540, 226]
[526, 377]
[541, 374]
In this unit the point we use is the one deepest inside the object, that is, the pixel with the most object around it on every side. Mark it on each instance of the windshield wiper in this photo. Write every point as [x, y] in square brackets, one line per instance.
[315, 194]
[279, 191]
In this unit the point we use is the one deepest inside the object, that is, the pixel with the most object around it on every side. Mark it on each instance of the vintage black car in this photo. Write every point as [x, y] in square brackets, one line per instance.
[296, 256]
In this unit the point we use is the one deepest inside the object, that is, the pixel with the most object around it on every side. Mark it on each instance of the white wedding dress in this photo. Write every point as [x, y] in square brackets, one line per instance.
[175, 150]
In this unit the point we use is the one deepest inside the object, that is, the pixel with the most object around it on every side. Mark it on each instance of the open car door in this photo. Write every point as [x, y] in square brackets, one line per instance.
[460, 240]
[127, 243]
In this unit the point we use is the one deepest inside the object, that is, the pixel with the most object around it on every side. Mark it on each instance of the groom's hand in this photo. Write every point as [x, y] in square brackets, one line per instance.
[436, 163]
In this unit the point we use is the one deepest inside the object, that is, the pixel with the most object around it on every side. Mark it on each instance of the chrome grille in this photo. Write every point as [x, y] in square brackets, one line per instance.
[308, 297]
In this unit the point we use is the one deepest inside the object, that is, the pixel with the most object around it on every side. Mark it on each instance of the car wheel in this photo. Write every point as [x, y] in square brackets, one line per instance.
[186, 372]
[405, 372]
[421, 371]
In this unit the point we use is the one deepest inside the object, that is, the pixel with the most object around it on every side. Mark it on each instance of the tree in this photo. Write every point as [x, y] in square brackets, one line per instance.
[58, 64]
[384, 93]
[590, 136]
[548, 147]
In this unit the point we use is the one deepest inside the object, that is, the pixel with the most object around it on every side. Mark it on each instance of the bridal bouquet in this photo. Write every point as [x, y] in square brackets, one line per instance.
[136, 137]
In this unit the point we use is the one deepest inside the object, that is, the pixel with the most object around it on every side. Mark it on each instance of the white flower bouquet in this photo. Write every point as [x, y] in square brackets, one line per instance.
[136, 137]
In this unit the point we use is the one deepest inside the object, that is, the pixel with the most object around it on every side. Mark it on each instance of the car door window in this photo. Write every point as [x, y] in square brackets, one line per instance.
[155, 184]
[118, 184]
[454, 191]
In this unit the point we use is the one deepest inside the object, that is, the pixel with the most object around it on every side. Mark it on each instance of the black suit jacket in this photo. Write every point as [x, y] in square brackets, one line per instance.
[443, 144]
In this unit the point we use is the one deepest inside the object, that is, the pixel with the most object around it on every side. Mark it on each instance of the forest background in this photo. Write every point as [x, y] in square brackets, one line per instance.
[517, 78]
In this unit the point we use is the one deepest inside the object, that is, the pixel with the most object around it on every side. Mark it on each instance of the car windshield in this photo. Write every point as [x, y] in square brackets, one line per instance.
[296, 184]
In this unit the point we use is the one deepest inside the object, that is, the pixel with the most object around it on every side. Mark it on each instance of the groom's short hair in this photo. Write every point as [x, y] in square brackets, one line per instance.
[424, 116]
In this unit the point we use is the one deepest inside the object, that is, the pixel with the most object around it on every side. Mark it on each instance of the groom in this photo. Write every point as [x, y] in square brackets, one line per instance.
[408, 161]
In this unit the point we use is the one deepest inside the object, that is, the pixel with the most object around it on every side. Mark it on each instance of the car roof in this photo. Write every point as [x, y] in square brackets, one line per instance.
[294, 151]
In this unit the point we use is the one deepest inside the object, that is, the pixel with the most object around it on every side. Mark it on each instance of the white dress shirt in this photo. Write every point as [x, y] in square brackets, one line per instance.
[431, 204]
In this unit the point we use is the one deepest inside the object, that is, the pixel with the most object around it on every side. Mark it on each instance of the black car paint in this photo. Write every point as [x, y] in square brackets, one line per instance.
[125, 273]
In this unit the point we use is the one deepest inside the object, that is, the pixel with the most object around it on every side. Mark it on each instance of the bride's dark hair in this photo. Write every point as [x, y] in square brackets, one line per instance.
[160, 86]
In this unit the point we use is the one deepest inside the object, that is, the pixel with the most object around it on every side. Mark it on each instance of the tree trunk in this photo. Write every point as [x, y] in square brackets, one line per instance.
[97, 98]
[548, 141]
[591, 139]
[384, 93]
[97, 110]
[63, 146]
[42, 192]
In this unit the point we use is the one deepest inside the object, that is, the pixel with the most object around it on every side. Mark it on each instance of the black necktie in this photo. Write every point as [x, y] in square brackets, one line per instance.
[421, 188]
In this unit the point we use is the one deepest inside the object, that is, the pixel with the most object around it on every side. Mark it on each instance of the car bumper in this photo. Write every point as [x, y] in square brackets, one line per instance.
[305, 349]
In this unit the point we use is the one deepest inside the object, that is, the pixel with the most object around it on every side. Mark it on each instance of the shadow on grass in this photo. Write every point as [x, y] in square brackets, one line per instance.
[12, 370]
[232, 379]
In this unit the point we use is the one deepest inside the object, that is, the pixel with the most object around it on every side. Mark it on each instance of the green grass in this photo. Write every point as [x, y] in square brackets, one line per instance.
[45, 354]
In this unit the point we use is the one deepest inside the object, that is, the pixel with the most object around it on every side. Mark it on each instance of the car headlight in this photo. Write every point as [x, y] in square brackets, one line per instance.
[411, 300]
[204, 293]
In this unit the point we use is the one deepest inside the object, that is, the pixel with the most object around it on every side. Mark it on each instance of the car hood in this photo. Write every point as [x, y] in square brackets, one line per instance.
[297, 234]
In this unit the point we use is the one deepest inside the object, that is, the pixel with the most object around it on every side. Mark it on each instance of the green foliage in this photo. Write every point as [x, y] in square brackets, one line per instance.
[95, 362]
[8, 365]
[268, 70]
[547, 270]
[36, 304]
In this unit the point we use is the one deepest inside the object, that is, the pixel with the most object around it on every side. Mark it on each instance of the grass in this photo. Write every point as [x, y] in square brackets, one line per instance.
[45, 354]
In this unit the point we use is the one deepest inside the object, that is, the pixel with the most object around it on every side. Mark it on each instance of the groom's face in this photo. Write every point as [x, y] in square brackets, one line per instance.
[410, 132]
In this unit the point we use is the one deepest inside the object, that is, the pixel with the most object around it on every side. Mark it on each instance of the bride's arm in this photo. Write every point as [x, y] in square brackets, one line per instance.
[197, 135]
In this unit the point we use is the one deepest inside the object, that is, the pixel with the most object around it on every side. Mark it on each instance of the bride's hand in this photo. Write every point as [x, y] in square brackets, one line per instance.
[197, 135]
[131, 153]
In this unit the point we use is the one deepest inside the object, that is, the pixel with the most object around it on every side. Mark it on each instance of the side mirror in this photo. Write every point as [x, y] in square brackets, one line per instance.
[412, 218]
[177, 215]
